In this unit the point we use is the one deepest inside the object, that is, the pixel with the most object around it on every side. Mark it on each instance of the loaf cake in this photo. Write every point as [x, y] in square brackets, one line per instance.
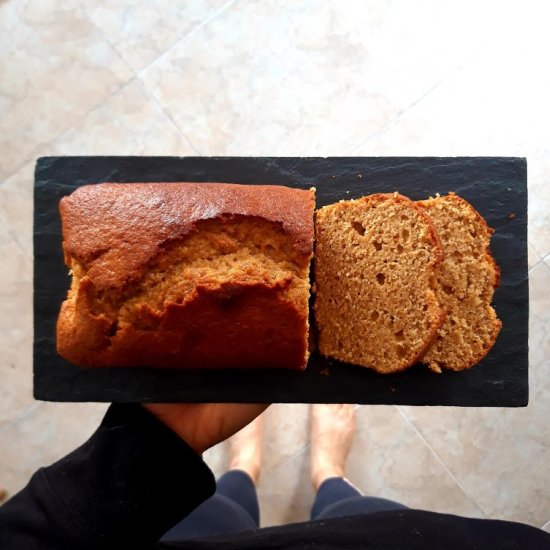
[375, 303]
[465, 283]
[186, 275]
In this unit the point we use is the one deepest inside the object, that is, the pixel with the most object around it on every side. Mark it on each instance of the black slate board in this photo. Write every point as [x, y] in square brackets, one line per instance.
[496, 187]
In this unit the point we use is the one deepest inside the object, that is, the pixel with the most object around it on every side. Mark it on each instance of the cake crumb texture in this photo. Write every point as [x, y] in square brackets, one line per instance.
[375, 302]
[465, 283]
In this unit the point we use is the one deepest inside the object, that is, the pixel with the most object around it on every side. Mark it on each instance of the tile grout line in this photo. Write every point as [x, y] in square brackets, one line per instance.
[180, 41]
[111, 95]
[20, 415]
[169, 117]
[407, 108]
[297, 452]
[13, 238]
[440, 460]
[36, 150]
[461, 65]
[543, 262]
[185, 37]
[288, 460]
[540, 257]
[530, 269]
[137, 79]
[137, 74]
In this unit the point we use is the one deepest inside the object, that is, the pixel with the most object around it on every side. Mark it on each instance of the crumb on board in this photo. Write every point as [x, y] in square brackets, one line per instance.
[511, 215]
[325, 372]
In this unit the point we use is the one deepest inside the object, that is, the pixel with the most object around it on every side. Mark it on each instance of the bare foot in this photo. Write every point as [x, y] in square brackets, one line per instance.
[332, 428]
[246, 448]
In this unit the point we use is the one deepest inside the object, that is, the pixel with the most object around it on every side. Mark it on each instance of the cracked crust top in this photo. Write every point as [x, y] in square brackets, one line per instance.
[115, 229]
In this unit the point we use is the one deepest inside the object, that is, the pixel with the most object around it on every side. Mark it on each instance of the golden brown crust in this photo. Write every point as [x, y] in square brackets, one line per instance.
[115, 229]
[242, 326]
[465, 285]
[187, 275]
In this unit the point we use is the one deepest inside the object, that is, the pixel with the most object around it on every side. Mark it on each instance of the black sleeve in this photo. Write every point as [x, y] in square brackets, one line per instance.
[124, 488]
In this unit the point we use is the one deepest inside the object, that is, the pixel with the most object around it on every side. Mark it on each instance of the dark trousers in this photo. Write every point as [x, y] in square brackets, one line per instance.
[234, 507]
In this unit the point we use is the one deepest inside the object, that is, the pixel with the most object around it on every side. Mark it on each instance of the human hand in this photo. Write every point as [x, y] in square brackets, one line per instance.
[203, 425]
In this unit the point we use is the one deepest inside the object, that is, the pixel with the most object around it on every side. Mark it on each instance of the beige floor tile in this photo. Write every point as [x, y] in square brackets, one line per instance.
[284, 489]
[16, 206]
[56, 66]
[286, 432]
[43, 434]
[499, 456]
[129, 123]
[539, 201]
[142, 32]
[15, 265]
[533, 258]
[286, 493]
[539, 314]
[314, 74]
[460, 119]
[489, 451]
[16, 345]
[217, 458]
[389, 459]
[483, 109]
[15, 327]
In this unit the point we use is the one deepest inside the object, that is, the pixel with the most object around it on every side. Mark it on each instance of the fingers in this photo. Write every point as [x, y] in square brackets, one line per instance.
[203, 425]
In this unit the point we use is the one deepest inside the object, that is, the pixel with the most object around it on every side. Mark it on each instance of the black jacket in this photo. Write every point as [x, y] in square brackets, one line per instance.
[134, 479]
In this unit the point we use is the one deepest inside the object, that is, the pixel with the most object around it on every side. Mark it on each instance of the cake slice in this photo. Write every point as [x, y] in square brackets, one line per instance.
[466, 280]
[375, 261]
[187, 275]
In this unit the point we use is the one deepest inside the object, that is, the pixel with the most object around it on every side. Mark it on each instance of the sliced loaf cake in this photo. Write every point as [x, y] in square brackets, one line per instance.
[375, 262]
[466, 280]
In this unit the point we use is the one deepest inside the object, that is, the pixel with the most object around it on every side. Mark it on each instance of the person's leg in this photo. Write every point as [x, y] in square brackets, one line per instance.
[239, 483]
[238, 487]
[337, 497]
[332, 429]
[234, 507]
[332, 490]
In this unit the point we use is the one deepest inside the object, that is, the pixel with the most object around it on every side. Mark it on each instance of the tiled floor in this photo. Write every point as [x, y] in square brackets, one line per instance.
[319, 77]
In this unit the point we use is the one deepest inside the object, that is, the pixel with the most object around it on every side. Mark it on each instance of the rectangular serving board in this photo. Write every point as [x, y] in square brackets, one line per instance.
[496, 186]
